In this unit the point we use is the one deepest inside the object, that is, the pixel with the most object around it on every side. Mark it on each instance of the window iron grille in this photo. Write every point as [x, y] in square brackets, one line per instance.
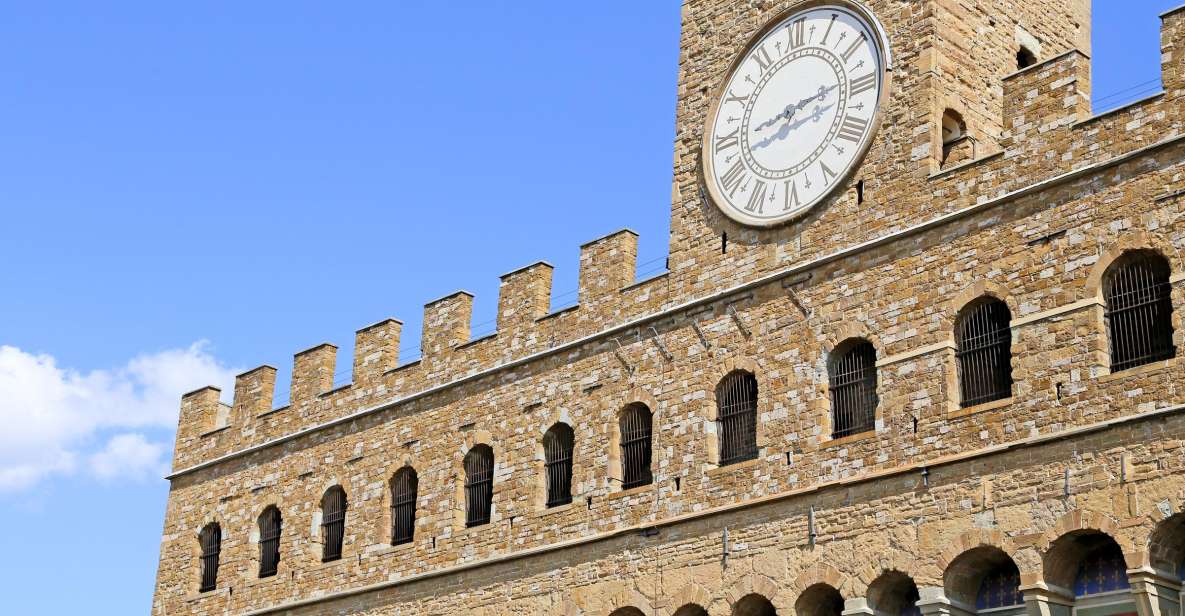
[269, 542]
[736, 400]
[403, 506]
[853, 391]
[984, 353]
[557, 452]
[1139, 311]
[211, 541]
[636, 454]
[333, 523]
[479, 485]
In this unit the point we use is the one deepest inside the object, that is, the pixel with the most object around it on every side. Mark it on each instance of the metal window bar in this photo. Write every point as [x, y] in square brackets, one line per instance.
[635, 447]
[403, 506]
[1139, 313]
[211, 540]
[333, 523]
[557, 452]
[853, 391]
[479, 485]
[736, 400]
[269, 542]
[984, 355]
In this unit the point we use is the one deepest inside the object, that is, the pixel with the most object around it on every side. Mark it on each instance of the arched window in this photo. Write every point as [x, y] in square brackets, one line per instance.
[1139, 310]
[987, 578]
[211, 542]
[1090, 563]
[853, 389]
[635, 426]
[894, 593]
[819, 600]
[333, 523]
[479, 485]
[753, 605]
[983, 339]
[269, 541]
[1025, 58]
[557, 454]
[736, 412]
[404, 486]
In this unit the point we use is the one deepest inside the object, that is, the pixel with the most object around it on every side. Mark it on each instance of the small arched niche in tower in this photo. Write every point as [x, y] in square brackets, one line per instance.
[957, 145]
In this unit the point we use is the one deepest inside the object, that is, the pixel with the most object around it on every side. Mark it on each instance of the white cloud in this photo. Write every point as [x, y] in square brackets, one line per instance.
[129, 455]
[54, 419]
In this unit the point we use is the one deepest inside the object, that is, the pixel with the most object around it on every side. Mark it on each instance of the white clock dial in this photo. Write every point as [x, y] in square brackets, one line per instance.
[796, 114]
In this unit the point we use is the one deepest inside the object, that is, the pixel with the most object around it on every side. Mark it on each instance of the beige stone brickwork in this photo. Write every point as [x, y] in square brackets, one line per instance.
[1032, 212]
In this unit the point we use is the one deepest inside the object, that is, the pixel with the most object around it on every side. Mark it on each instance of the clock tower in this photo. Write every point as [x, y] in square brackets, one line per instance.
[806, 125]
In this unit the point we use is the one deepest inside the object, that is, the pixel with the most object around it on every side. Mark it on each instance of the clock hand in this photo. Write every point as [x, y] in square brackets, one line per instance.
[794, 108]
[787, 128]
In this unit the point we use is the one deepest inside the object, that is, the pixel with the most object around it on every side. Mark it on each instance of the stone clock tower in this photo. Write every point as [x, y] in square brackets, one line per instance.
[944, 59]
[918, 353]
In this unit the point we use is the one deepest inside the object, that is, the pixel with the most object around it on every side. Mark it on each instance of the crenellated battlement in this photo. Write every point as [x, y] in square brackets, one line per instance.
[525, 325]
[1047, 131]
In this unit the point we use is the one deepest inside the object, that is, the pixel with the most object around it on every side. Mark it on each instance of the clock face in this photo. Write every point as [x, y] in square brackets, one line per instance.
[796, 114]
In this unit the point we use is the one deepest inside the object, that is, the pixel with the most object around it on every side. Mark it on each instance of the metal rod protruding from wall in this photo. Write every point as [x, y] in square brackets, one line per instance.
[661, 348]
[737, 318]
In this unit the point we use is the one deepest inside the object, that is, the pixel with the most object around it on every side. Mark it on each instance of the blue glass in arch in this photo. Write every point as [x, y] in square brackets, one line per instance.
[1000, 588]
[1101, 570]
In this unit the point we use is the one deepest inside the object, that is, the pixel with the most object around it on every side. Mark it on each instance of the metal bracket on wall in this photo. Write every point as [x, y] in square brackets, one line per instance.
[661, 348]
[732, 312]
[789, 285]
[703, 339]
[621, 357]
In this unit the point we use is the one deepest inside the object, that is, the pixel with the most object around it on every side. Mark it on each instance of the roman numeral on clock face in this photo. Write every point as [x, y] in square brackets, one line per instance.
[862, 84]
[731, 180]
[723, 142]
[733, 98]
[791, 200]
[797, 33]
[757, 197]
[828, 174]
[854, 47]
[852, 129]
[761, 57]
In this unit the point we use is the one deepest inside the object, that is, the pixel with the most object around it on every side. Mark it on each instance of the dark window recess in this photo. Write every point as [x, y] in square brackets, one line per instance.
[635, 428]
[736, 400]
[211, 540]
[333, 523]
[403, 505]
[269, 542]
[983, 339]
[853, 390]
[479, 485]
[557, 453]
[1139, 310]
[1025, 58]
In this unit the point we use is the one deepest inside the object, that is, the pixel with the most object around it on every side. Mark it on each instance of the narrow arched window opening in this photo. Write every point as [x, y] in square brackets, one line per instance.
[557, 452]
[736, 401]
[269, 542]
[1139, 310]
[479, 485]
[1025, 58]
[853, 390]
[635, 425]
[404, 487]
[333, 523]
[211, 543]
[983, 341]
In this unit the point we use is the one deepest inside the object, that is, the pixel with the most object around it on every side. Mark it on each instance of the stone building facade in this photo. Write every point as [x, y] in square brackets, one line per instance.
[1064, 497]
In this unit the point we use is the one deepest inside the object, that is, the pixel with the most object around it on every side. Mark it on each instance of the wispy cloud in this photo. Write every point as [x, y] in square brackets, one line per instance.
[62, 421]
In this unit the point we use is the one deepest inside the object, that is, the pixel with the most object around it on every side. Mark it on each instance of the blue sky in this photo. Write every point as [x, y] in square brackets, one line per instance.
[189, 190]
